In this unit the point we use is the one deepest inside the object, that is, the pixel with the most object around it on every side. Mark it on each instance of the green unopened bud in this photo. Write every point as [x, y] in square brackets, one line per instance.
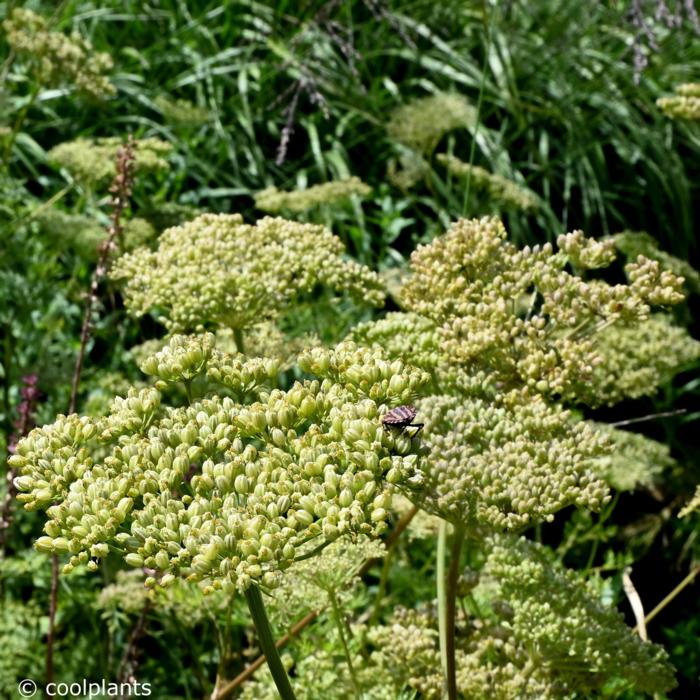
[133, 559]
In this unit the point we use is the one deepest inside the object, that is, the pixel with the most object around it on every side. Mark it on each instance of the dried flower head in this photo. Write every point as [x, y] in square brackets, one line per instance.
[273, 200]
[421, 124]
[55, 59]
[217, 270]
[498, 189]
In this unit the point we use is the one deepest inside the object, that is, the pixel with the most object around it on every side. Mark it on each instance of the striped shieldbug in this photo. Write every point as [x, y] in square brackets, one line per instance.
[402, 417]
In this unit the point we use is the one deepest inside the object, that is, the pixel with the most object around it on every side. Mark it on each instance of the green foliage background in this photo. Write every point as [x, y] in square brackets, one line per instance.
[559, 111]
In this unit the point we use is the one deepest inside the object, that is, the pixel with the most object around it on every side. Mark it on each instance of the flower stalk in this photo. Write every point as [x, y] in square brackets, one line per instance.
[442, 593]
[267, 642]
[451, 611]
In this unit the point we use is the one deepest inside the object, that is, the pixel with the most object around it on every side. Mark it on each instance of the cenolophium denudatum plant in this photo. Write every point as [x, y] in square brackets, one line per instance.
[508, 336]
[244, 480]
[225, 493]
[52, 60]
[218, 271]
[273, 200]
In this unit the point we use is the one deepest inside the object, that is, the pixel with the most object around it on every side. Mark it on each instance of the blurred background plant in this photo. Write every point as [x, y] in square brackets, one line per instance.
[406, 114]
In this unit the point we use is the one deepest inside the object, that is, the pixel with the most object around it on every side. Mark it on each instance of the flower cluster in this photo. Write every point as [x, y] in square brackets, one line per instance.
[519, 315]
[635, 461]
[181, 112]
[137, 232]
[421, 124]
[72, 231]
[84, 234]
[567, 632]
[273, 200]
[268, 341]
[496, 188]
[409, 336]
[224, 493]
[217, 270]
[408, 648]
[635, 243]
[488, 664]
[182, 601]
[407, 170]
[318, 674]
[106, 386]
[185, 358]
[127, 594]
[636, 359]
[324, 580]
[506, 462]
[56, 59]
[92, 161]
[685, 104]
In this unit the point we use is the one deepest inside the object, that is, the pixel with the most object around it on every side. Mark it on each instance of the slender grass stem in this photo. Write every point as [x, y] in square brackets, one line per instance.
[482, 86]
[267, 643]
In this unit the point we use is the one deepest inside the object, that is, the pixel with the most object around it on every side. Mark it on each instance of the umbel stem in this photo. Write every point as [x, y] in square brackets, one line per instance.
[441, 593]
[267, 642]
[451, 611]
[238, 339]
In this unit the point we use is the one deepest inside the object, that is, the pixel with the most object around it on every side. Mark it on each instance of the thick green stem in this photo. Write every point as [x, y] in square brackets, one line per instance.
[451, 611]
[267, 643]
[441, 593]
[238, 339]
[337, 614]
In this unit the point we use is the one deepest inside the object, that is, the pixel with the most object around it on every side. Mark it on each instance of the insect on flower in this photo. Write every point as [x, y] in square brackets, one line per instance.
[402, 417]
